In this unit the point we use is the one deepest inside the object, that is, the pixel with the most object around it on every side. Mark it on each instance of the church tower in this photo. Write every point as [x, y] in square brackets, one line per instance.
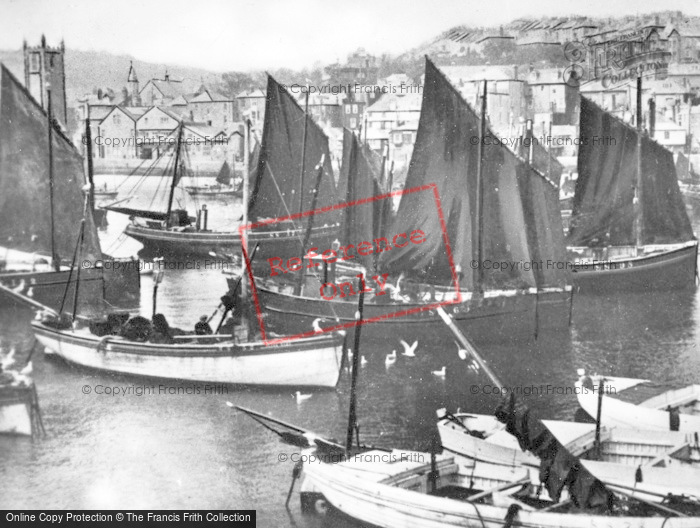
[133, 83]
[44, 71]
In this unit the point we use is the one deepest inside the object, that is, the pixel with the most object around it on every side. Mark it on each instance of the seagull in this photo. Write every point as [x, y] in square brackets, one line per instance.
[409, 351]
[316, 325]
[440, 373]
[27, 370]
[349, 354]
[390, 358]
[363, 360]
[461, 352]
[301, 397]
[9, 360]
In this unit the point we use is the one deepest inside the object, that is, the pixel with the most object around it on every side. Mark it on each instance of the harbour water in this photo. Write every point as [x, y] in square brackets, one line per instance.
[160, 444]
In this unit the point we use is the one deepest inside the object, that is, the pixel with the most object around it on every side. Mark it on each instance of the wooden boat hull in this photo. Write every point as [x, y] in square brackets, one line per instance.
[622, 446]
[119, 284]
[48, 287]
[458, 441]
[670, 270]
[203, 191]
[624, 414]
[523, 313]
[310, 362]
[16, 410]
[279, 243]
[357, 494]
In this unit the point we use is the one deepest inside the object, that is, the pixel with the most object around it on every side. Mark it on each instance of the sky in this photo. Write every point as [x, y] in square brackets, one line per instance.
[241, 35]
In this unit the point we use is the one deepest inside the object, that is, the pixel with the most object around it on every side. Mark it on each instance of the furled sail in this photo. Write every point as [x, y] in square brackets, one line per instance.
[359, 179]
[277, 190]
[603, 209]
[25, 203]
[224, 176]
[446, 154]
[559, 469]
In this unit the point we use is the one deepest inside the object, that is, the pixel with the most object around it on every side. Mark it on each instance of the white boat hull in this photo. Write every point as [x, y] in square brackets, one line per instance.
[358, 495]
[312, 362]
[623, 414]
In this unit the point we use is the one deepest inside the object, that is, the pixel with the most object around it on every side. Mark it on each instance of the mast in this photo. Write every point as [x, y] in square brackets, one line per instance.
[246, 185]
[54, 255]
[88, 155]
[310, 225]
[638, 184]
[479, 271]
[303, 154]
[352, 419]
[173, 184]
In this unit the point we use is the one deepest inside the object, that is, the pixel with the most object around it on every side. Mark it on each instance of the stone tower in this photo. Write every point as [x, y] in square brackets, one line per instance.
[133, 83]
[44, 71]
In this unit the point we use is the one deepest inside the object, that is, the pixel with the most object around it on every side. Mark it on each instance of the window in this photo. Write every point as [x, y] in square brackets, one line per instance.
[354, 109]
[347, 109]
[667, 134]
[397, 138]
[408, 137]
[34, 62]
[353, 122]
[117, 119]
[163, 120]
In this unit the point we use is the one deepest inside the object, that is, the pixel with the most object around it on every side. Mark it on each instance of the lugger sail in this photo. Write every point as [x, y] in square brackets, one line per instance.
[41, 209]
[282, 184]
[501, 219]
[629, 228]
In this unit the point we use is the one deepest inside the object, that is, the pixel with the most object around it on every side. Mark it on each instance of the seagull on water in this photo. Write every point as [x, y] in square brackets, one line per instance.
[301, 397]
[409, 351]
[461, 352]
[440, 373]
[8, 361]
[390, 358]
[363, 361]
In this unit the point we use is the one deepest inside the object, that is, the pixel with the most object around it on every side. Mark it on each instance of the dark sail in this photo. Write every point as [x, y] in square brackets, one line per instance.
[603, 209]
[446, 154]
[545, 231]
[224, 176]
[25, 212]
[359, 179]
[277, 190]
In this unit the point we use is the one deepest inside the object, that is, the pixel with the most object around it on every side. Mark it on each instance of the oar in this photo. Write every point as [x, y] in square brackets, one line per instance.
[285, 424]
[644, 501]
[27, 300]
[234, 289]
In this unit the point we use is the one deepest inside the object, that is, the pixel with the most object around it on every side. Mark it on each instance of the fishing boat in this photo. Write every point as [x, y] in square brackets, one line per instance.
[223, 186]
[393, 493]
[282, 187]
[41, 207]
[484, 438]
[636, 403]
[309, 362]
[494, 207]
[629, 228]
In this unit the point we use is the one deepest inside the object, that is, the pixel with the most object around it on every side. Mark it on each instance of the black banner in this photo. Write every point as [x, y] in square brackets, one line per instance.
[130, 518]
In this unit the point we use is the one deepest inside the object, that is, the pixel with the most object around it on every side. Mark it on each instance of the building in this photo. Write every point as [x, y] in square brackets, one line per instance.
[360, 67]
[549, 94]
[44, 73]
[688, 74]
[251, 105]
[684, 41]
[506, 96]
[390, 112]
